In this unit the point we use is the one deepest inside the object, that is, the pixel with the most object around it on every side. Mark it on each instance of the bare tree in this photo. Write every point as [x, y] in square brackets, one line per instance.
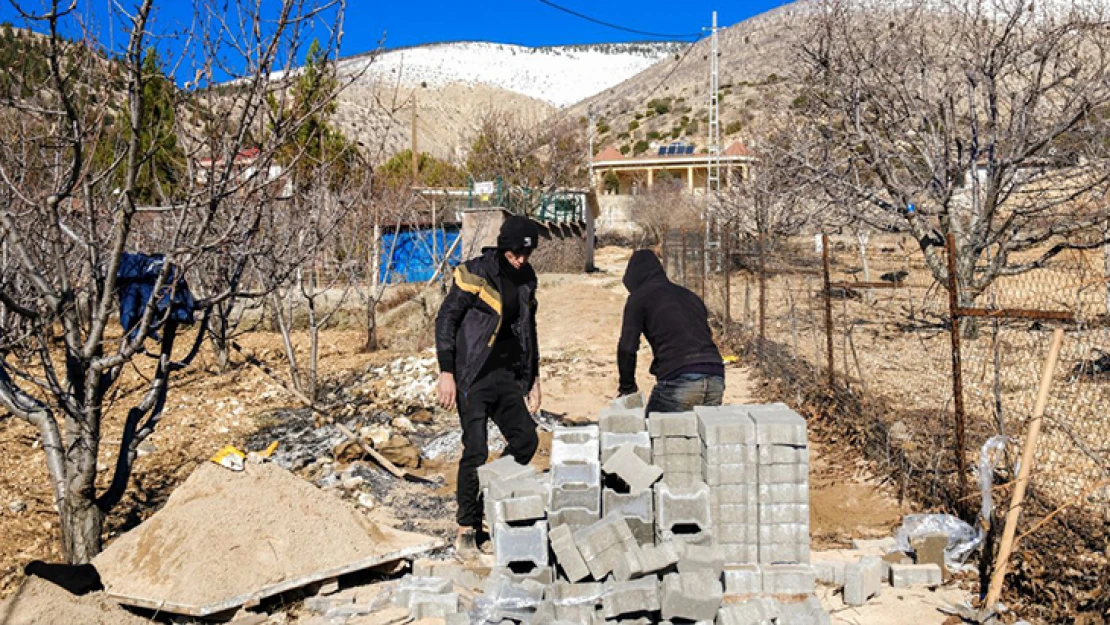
[73, 184]
[984, 119]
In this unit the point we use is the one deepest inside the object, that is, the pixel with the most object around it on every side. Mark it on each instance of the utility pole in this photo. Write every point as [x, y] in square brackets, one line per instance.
[713, 166]
[591, 188]
[415, 154]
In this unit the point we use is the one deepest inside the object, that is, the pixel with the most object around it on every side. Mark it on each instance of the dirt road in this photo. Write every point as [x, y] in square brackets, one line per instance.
[579, 324]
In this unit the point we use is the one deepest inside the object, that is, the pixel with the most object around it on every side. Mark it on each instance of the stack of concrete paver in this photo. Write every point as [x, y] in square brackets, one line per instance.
[694, 517]
[783, 478]
[575, 498]
[729, 466]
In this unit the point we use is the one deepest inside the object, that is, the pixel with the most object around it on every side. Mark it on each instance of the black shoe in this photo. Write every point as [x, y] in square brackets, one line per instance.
[466, 545]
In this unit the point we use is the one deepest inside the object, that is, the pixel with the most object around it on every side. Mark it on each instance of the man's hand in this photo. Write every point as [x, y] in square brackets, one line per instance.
[535, 398]
[445, 392]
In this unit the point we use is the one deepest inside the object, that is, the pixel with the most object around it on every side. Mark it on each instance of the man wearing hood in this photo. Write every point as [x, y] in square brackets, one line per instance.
[489, 360]
[686, 363]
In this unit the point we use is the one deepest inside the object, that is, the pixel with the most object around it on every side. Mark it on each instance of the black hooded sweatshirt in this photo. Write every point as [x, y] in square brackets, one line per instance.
[673, 319]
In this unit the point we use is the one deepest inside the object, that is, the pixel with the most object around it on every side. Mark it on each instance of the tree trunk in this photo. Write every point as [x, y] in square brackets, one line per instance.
[1106, 272]
[82, 525]
[371, 324]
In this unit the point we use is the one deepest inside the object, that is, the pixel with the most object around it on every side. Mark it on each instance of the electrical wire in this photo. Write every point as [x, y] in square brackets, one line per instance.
[616, 26]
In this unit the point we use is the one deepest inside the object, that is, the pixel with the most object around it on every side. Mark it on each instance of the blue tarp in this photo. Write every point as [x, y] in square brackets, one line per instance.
[412, 259]
[135, 279]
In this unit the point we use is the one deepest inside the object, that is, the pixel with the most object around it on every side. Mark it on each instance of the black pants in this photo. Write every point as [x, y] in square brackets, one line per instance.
[499, 395]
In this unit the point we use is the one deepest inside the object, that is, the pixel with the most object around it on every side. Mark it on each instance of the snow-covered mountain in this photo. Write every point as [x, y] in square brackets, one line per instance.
[560, 75]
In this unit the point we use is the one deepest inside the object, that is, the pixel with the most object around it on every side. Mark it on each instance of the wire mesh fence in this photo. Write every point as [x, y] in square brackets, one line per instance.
[870, 319]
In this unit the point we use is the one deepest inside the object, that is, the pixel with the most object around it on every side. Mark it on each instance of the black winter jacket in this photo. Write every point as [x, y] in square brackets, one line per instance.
[674, 320]
[470, 317]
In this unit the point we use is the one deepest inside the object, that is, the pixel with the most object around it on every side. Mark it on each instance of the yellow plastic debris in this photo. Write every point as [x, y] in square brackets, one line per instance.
[230, 458]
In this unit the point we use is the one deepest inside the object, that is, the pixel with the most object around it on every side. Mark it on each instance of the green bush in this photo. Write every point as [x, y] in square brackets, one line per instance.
[676, 132]
[638, 115]
[602, 128]
[692, 128]
[625, 150]
[640, 147]
[633, 125]
[662, 108]
[654, 135]
[734, 127]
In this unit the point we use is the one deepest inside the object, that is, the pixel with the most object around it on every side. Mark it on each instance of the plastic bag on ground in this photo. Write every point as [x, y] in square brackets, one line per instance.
[963, 539]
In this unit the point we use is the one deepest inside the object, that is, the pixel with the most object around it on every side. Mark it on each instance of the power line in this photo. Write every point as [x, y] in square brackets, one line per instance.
[617, 26]
[673, 69]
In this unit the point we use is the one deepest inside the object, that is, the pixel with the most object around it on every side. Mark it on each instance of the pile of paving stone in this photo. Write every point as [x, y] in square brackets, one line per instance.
[696, 517]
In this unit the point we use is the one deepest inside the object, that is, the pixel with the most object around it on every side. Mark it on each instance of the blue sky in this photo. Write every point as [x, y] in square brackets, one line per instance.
[413, 22]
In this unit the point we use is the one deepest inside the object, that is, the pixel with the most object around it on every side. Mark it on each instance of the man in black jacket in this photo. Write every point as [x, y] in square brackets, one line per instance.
[489, 361]
[687, 365]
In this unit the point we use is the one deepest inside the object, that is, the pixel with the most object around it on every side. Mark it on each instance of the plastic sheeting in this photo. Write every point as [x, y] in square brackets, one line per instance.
[407, 255]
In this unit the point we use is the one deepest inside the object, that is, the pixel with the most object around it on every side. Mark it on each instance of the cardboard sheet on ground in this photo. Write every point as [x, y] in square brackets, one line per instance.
[226, 539]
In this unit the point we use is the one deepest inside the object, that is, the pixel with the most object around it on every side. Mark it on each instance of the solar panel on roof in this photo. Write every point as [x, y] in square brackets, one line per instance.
[662, 151]
[689, 149]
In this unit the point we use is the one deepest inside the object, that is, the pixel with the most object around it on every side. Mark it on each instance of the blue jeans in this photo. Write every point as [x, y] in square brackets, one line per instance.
[686, 391]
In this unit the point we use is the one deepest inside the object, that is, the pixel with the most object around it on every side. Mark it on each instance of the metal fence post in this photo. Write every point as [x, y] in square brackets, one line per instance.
[957, 371]
[762, 286]
[828, 307]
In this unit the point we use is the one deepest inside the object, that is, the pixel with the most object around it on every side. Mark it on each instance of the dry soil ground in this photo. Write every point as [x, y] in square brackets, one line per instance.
[579, 323]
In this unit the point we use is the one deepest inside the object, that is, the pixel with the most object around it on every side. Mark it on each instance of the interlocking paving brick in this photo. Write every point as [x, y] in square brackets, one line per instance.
[678, 424]
[683, 510]
[611, 441]
[567, 554]
[862, 580]
[725, 425]
[618, 421]
[631, 597]
[695, 595]
[788, 579]
[632, 470]
[520, 544]
[743, 579]
[503, 469]
[907, 575]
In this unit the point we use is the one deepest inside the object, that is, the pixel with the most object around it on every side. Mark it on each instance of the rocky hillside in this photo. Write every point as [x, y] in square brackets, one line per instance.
[668, 101]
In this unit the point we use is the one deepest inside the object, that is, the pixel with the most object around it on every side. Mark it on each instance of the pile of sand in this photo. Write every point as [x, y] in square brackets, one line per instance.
[224, 536]
[39, 602]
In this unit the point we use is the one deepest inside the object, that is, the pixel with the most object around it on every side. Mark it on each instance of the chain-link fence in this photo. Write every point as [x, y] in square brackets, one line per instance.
[860, 328]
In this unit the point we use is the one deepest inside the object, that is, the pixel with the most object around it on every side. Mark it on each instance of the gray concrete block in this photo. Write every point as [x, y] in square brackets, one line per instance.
[784, 553]
[788, 579]
[542, 575]
[637, 510]
[447, 569]
[576, 496]
[517, 487]
[677, 424]
[908, 575]
[808, 612]
[583, 473]
[622, 421]
[626, 564]
[519, 509]
[717, 474]
[701, 558]
[754, 611]
[433, 605]
[784, 474]
[733, 513]
[411, 585]
[503, 469]
[731, 454]
[611, 441]
[743, 580]
[567, 554]
[733, 495]
[659, 558]
[739, 553]
[784, 513]
[782, 454]
[589, 451]
[574, 434]
[783, 493]
[575, 603]
[862, 580]
[603, 543]
[574, 518]
[783, 533]
[736, 533]
[695, 595]
[777, 424]
[830, 572]
[679, 463]
[685, 506]
[676, 446]
[682, 479]
[631, 597]
[632, 470]
[520, 544]
[725, 425]
[504, 592]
